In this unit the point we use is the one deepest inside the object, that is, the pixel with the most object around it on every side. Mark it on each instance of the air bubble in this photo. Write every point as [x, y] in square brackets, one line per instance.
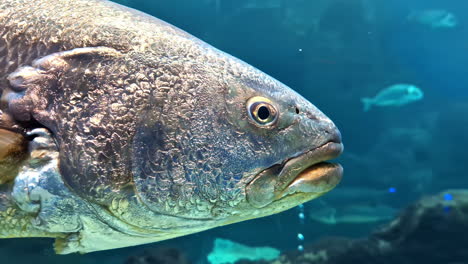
[300, 237]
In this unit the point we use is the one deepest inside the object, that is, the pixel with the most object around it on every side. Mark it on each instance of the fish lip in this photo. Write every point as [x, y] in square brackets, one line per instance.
[319, 179]
[284, 179]
[293, 167]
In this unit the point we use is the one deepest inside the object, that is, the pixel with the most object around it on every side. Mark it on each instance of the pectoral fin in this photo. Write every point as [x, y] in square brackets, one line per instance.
[32, 86]
[13, 150]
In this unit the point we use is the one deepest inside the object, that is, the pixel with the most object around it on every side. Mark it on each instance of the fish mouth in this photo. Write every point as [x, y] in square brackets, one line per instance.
[307, 175]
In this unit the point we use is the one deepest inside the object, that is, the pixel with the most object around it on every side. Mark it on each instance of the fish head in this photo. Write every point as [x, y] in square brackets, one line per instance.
[241, 145]
[414, 93]
[435, 18]
[286, 155]
[448, 21]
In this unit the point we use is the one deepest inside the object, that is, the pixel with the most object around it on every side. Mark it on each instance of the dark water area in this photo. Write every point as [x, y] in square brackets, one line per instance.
[334, 52]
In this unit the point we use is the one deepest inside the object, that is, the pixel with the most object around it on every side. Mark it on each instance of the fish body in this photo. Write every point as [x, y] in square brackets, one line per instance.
[353, 214]
[434, 18]
[394, 95]
[118, 129]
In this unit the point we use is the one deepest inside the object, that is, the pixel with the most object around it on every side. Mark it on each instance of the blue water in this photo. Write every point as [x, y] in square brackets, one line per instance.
[334, 54]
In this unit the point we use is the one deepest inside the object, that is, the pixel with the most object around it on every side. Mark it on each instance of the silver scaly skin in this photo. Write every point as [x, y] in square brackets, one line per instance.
[118, 129]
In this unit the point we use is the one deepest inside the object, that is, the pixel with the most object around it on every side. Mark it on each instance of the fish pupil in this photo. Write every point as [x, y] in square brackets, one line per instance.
[263, 112]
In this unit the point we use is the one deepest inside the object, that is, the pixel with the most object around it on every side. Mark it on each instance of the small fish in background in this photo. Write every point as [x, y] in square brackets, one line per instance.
[394, 95]
[353, 214]
[435, 18]
[265, 4]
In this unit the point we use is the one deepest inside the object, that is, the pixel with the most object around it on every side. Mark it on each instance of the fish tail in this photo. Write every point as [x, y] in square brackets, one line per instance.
[367, 102]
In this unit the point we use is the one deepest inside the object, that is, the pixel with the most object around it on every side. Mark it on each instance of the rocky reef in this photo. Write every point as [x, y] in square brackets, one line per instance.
[432, 230]
[159, 256]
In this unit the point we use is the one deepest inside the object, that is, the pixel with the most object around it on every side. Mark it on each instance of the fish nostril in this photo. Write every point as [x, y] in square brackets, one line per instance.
[334, 134]
[311, 116]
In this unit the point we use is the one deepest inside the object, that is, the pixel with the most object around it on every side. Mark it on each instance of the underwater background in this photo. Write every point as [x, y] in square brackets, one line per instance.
[334, 53]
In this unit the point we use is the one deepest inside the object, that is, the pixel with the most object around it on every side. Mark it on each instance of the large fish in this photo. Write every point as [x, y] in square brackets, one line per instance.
[119, 129]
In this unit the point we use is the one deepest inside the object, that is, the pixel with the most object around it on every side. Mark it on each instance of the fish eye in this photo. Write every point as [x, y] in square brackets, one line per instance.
[262, 111]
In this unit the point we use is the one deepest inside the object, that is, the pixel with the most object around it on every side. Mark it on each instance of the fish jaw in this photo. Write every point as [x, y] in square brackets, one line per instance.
[308, 182]
[306, 176]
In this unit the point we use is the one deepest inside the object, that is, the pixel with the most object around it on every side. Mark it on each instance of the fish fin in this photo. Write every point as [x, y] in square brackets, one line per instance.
[367, 102]
[28, 83]
[332, 217]
[13, 150]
